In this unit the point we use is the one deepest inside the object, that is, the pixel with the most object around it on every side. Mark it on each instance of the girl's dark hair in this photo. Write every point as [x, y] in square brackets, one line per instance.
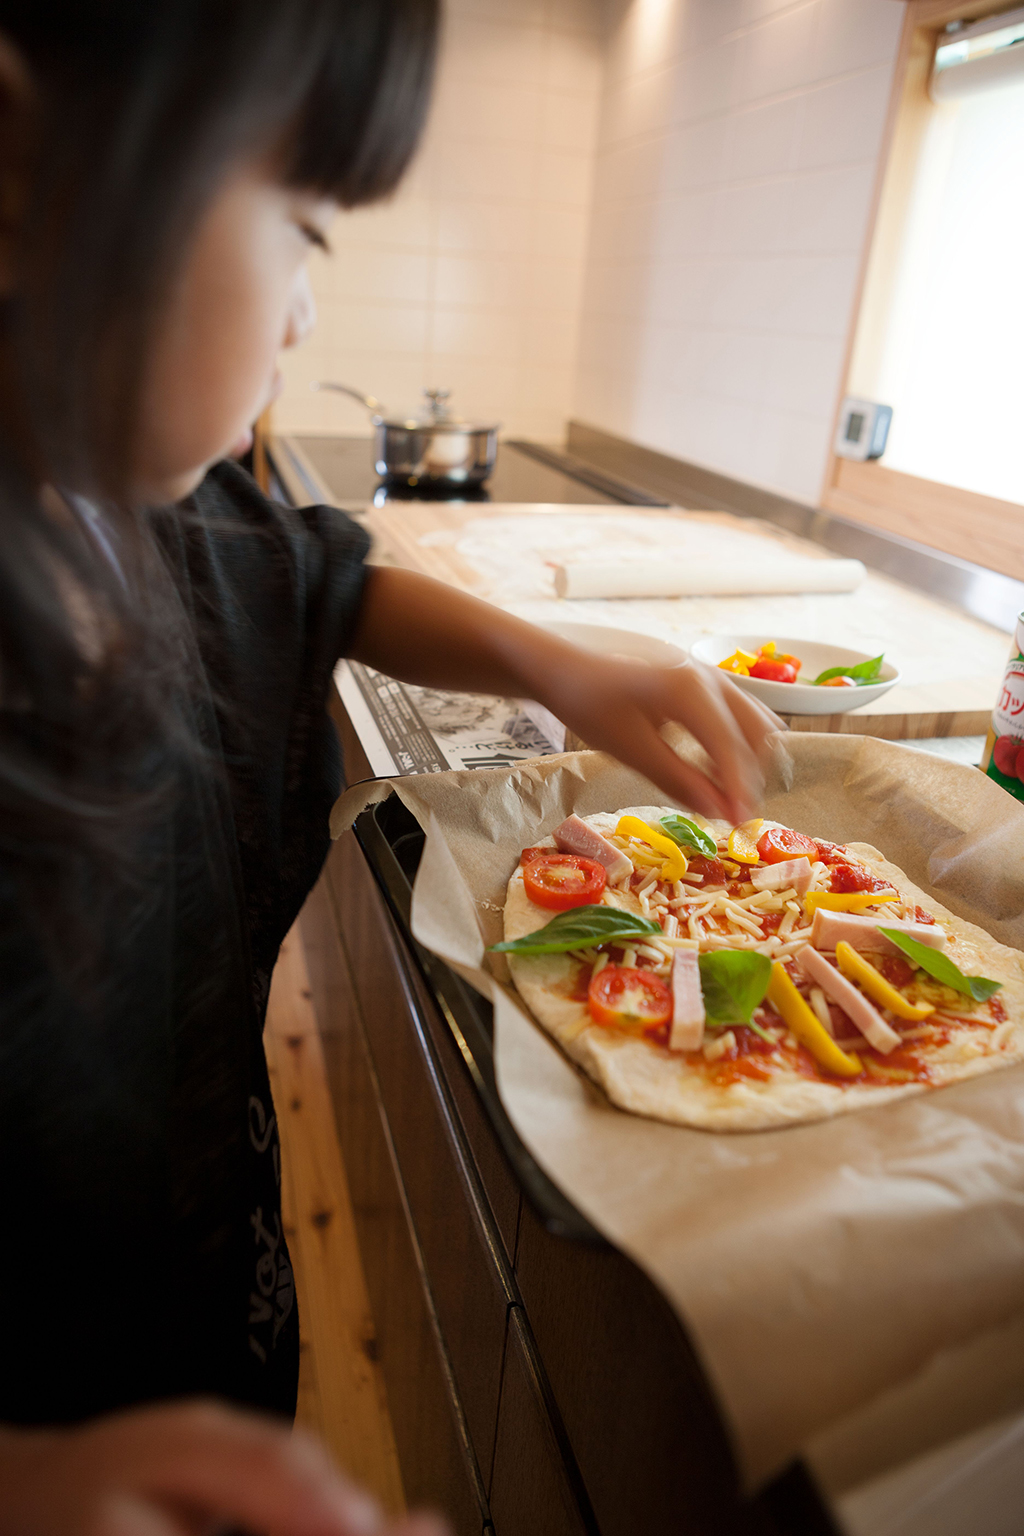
[140, 107]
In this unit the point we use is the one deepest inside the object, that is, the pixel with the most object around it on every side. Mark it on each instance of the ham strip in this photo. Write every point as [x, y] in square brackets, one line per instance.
[574, 836]
[687, 1031]
[794, 874]
[849, 998]
[862, 933]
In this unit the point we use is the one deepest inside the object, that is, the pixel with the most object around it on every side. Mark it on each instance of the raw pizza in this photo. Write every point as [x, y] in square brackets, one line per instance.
[738, 978]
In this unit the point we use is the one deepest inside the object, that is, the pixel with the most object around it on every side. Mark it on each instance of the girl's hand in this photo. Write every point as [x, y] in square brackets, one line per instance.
[620, 707]
[425, 632]
[193, 1469]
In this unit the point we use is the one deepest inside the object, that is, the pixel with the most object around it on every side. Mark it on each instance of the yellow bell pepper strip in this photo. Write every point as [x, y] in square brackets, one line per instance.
[743, 842]
[875, 985]
[807, 1027]
[674, 867]
[853, 901]
[739, 662]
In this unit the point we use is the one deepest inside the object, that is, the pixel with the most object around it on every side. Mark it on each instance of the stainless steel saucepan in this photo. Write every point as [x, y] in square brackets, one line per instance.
[434, 448]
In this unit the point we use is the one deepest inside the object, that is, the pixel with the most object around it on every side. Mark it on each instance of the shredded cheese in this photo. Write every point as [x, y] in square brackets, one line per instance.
[793, 947]
[819, 1003]
[650, 951]
[737, 918]
[715, 1048]
[757, 899]
[821, 874]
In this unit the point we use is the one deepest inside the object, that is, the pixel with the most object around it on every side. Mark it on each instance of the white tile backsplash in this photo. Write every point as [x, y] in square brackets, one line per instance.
[648, 214]
[471, 276]
[761, 137]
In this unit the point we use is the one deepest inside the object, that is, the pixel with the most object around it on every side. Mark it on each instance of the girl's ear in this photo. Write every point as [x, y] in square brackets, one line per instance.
[18, 103]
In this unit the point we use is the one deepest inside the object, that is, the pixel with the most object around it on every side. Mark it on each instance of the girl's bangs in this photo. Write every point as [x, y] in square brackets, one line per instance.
[364, 111]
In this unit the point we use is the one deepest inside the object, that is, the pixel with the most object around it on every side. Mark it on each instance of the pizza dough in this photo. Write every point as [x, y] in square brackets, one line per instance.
[648, 1079]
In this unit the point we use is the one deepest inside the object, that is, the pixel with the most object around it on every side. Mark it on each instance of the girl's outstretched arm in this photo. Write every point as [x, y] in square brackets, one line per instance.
[423, 631]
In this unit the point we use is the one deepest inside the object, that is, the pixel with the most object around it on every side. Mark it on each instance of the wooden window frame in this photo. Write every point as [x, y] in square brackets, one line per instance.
[978, 528]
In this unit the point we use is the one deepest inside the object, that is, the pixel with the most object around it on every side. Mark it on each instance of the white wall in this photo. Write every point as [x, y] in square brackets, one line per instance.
[472, 276]
[736, 160]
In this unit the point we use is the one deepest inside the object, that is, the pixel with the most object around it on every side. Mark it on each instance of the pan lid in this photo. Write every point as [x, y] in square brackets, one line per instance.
[436, 417]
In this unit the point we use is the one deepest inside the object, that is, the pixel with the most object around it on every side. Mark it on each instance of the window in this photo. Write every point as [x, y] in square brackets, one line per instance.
[940, 331]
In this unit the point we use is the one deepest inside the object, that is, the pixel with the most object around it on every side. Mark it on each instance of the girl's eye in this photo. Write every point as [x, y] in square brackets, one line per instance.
[315, 237]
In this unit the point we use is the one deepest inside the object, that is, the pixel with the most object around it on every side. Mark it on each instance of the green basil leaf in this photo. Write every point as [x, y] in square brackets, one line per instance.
[580, 928]
[733, 982]
[864, 672]
[688, 835]
[940, 967]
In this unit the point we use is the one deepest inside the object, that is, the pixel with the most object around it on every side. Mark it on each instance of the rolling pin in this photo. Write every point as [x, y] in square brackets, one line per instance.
[676, 578]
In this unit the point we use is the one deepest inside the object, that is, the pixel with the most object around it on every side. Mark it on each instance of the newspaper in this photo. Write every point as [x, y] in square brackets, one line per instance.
[405, 729]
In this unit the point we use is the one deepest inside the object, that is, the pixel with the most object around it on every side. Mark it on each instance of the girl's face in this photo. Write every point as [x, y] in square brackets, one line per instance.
[243, 295]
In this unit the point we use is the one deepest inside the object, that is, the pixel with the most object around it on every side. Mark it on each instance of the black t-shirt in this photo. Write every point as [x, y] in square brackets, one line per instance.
[144, 1256]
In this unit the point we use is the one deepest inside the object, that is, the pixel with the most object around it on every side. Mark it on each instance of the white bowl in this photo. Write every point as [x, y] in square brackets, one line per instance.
[799, 698]
[624, 643]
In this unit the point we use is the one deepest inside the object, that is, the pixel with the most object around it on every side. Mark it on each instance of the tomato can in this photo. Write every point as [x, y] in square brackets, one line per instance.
[1003, 758]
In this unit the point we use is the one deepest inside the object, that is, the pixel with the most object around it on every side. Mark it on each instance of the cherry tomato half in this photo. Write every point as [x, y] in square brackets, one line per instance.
[559, 881]
[839, 682]
[774, 669]
[781, 843]
[626, 999]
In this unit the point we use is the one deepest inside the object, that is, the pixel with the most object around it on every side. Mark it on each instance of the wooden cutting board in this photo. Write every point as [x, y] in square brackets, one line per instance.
[952, 665]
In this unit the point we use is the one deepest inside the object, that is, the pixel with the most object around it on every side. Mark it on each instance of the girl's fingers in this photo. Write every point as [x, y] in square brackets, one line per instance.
[645, 751]
[232, 1468]
[755, 719]
[127, 1516]
[708, 717]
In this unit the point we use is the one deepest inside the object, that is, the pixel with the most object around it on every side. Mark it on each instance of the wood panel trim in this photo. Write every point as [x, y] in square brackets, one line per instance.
[260, 433]
[345, 1392]
[938, 13]
[977, 528]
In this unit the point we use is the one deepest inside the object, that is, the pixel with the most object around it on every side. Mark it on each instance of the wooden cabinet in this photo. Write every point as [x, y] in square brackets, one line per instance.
[530, 1485]
[439, 1466]
[538, 1386]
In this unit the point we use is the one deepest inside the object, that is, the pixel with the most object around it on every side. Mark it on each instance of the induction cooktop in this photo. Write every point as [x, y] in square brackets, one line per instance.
[527, 472]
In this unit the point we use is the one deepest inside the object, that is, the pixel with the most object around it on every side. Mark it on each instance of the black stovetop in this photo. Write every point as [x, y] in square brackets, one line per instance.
[524, 472]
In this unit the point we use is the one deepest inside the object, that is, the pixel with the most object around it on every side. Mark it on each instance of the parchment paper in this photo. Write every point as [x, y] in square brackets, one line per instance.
[855, 1288]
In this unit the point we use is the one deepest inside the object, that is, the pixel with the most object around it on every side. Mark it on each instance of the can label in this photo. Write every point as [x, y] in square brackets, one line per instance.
[1003, 758]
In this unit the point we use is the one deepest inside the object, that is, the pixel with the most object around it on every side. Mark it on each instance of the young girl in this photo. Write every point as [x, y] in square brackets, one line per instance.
[167, 637]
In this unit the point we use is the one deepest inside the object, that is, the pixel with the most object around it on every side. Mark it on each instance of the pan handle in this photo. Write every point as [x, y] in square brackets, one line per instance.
[372, 404]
